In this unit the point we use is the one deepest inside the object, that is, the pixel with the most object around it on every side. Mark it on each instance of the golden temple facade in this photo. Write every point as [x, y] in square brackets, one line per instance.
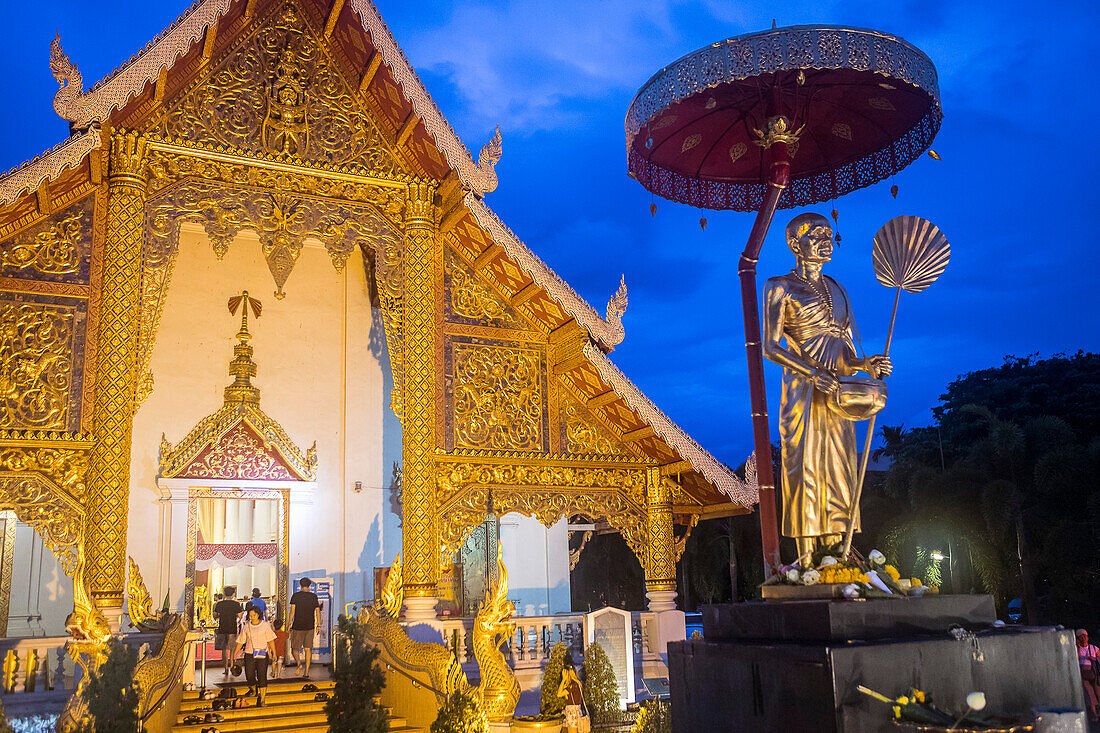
[289, 144]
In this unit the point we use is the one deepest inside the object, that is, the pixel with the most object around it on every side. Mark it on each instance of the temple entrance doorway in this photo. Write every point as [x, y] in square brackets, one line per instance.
[237, 544]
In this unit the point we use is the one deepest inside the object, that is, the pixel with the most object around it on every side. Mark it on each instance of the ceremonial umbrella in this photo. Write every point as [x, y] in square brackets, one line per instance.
[783, 118]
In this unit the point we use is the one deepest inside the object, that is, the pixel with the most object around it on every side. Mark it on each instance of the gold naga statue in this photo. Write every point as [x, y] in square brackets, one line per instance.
[498, 692]
[822, 397]
[154, 674]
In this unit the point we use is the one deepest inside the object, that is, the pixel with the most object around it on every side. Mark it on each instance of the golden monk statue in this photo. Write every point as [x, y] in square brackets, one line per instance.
[821, 399]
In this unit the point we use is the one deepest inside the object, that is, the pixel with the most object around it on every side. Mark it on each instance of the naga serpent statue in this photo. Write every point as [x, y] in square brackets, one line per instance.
[498, 692]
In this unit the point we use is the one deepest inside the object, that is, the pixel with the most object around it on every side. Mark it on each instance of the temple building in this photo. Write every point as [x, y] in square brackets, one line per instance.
[394, 365]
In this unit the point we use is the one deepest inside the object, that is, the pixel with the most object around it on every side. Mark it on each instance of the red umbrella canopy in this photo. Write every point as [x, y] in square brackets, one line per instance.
[863, 105]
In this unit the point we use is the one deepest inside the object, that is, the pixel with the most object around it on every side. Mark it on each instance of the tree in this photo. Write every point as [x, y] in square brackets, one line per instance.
[601, 689]
[111, 693]
[1005, 482]
[353, 707]
[461, 714]
[552, 705]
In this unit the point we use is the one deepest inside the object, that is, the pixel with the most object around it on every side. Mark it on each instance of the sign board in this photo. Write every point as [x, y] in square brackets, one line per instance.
[322, 652]
[610, 628]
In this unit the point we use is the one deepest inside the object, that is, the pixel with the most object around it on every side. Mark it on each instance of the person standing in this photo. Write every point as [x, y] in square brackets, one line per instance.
[257, 602]
[227, 612]
[1088, 658]
[305, 617]
[281, 637]
[257, 639]
[570, 689]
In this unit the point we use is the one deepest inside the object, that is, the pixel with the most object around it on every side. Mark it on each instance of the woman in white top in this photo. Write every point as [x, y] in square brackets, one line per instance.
[257, 638]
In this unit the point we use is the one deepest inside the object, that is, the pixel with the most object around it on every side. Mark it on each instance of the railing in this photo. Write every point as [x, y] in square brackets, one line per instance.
[536, 636]
[37, 664]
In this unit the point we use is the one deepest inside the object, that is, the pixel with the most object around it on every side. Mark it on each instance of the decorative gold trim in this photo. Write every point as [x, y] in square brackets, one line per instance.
[6, 565]
[55, 516]
[348, 173]
[138, 603]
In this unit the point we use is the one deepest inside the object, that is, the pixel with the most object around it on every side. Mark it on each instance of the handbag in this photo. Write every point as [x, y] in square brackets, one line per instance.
[584, 723]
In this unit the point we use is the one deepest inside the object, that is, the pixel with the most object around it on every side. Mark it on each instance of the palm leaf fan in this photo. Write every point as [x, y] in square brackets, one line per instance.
[910, 253]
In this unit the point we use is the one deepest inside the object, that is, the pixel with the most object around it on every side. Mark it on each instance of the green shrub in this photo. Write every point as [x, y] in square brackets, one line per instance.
[654, 717]
[358, 681]
[461, 714]
[552, 705]
[111, 694]
[601, 689]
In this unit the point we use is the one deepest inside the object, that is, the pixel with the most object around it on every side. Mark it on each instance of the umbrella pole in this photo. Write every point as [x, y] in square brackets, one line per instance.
[750, 306]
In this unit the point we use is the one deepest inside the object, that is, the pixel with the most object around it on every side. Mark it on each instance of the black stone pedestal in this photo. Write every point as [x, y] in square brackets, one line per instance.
[793, 666]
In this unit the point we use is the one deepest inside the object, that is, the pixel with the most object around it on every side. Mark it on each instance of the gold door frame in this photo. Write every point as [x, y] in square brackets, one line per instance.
[282, 573]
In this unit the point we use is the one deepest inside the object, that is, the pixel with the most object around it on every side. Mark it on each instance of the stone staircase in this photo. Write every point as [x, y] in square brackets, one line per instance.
[286, 708]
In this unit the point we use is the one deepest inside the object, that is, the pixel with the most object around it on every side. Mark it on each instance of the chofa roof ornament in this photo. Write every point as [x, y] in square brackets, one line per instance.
[485, 178]
[69, 102]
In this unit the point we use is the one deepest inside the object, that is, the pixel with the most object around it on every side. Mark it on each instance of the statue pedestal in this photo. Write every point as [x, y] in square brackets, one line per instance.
[795, 665]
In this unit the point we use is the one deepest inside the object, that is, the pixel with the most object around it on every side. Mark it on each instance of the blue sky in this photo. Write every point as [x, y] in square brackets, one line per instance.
[1012, 192]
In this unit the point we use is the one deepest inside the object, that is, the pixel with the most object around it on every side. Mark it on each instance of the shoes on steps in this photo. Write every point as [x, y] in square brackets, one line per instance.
[309, 687]
[321, 696]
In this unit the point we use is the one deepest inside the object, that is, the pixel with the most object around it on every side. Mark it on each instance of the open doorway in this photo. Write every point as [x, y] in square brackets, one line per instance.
[238, 539]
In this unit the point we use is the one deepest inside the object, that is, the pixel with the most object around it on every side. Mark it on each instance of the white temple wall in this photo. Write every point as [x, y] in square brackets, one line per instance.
[538, 565]
[41, 594]
[323, 374]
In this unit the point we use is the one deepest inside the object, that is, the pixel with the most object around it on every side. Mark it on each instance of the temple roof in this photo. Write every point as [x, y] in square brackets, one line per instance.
[127, 92]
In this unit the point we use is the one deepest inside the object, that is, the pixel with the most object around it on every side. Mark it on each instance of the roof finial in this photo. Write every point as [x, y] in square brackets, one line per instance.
[242, 368]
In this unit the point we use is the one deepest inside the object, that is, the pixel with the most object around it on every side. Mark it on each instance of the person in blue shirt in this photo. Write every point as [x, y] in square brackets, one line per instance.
[258, 603]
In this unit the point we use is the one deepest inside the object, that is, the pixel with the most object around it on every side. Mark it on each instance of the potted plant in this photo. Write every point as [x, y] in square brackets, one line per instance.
[461, 714]
[359, 681]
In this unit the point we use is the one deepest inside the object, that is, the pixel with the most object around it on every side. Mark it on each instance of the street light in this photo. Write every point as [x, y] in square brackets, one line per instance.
[940, 557]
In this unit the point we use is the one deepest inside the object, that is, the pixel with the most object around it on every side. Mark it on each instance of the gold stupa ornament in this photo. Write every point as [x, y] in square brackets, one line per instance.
[242, 368]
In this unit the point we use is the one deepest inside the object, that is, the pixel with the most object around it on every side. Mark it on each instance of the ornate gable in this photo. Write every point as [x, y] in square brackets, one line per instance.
[277, 91]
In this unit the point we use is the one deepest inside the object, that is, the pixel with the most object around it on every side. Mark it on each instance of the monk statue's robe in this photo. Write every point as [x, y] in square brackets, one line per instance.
[819, 446]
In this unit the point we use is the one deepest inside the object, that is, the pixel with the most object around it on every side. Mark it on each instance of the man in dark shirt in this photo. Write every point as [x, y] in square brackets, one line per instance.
[305, 617]
[227, 612]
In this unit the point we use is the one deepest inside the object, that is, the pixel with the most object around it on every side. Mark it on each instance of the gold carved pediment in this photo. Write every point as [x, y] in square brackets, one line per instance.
[277, 90]
[238, 442]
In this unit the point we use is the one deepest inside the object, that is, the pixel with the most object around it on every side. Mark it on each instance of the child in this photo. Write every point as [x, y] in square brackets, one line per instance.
[280, 650]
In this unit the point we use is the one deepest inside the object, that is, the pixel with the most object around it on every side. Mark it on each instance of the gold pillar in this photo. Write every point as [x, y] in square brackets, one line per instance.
[423, 265]
[109, 462]
[660, 570]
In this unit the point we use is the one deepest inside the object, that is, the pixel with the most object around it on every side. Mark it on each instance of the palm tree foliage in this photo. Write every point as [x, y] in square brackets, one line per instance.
[1006, 483]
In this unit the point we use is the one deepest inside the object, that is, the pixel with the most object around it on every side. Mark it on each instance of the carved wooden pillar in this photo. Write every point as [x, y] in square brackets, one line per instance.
[660, 567]
[420, 538]
[108, 480]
